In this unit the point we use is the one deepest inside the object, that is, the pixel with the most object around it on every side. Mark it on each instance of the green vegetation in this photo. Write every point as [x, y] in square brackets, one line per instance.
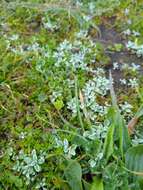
[61, 125]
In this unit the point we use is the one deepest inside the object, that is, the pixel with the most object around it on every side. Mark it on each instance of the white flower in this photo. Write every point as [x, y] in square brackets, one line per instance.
[137, 141]
[69, 151]
[135, 67]
[71, 105]
[92, 163]
[55, 95]
[34, 47]
[29, 165]
[99, 130]
[87, 18]
[133, 83]
[135, 33]
[98, 86]
[123, 81]
[65, 45]
[41, 185]
[127, 32]
[129, 21]
[126, 108]
[126, 11]
[82, 34]
[135, 48]
[125, 66]
[65, 145]
[115, 65]
[14, 37]
[10, 151]
[22, 135]
[48, 24]
[91, 7]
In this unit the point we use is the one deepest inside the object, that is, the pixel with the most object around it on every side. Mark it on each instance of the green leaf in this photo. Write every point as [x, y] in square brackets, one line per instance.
[42, 97]
[134, 160]
[86, 186]
[97, 184]
[118, 47]
[108, 148]
[58, 104]
[73, 174]
[118, 121]
[124, 139]
[139, 112]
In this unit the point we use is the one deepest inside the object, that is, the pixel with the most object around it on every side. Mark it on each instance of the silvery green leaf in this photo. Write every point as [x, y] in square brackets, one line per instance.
[10, 151]
[27, 176]
[27, 160]
[71, 150]
[21, 154]
[37, 168]
[27, 182]
[65, 144]
[33, 163]
[92, 163]
[17, 166]
[25, 169]
[41, 160]
[34, 155]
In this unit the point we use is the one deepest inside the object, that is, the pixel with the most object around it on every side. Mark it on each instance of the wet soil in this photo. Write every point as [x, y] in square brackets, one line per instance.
[110, 36]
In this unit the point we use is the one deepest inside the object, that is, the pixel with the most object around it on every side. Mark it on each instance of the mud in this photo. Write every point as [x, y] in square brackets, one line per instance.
[110, 36]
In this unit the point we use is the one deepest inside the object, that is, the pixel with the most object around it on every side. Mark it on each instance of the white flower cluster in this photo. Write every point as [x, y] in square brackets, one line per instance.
[29, 165]
[55, 95]
[14, 37]
[137, 140]
[42, 185]
[49, 25]
[126, 11]
[81, 34]
[133, 83]
[134, 67]
[128, 32]
[22, 135]
[98, 86]
[71, 105]
[126, 66]
[126, 109]
[135, 48]
[93, 162]
[115, 66]
[24, 49]
[69, 151]
[123, 81]
[76, 55]
[99, 130]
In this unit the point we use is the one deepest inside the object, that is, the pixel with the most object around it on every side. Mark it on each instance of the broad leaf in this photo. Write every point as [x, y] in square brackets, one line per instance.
[73, 174]
[134, 159]
[97, 184]
[86, 185]
[58, 104]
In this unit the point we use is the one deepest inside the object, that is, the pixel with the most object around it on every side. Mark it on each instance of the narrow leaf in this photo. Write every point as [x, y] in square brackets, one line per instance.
[120, 127]
[109, 143]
